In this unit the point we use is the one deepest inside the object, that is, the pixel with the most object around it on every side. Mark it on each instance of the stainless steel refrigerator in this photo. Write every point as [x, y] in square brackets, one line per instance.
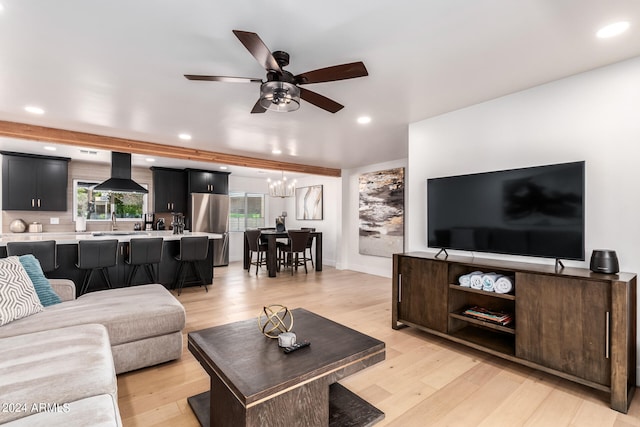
[210, 214]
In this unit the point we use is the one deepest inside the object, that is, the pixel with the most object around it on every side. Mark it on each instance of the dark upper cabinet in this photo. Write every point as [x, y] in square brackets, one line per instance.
[34, 182]
[169, 190]
[200, 181]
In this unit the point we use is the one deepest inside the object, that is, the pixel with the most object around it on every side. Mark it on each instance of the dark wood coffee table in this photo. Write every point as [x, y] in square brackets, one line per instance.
[254, 383]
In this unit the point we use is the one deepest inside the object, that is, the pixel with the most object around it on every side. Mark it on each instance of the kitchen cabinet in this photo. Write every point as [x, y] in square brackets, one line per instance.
[169, 190]
[34, 183]
[201, 181]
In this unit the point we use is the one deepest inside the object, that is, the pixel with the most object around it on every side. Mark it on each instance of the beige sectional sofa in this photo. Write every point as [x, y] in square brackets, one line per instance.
[67, 356]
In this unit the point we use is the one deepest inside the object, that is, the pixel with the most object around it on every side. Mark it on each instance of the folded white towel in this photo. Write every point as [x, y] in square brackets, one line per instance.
[475, 281]
[489, 281]
[503, 285]
[465, 279]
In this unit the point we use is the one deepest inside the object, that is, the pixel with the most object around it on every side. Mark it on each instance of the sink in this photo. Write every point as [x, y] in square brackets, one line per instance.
[117, 233]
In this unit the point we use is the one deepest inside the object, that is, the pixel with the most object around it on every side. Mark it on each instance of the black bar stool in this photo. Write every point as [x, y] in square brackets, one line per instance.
[96, 255]
[45, 252]
[145, 252]
[192, 249]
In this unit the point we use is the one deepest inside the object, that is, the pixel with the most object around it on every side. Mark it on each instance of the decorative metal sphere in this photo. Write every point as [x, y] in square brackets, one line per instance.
[274, 320]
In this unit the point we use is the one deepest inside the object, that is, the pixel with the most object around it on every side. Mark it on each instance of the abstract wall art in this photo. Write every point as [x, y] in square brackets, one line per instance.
[309, 202]
[381, 212]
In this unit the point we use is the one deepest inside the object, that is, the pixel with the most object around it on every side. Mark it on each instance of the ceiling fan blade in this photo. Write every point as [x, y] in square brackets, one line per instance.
[330, 74]
[258, 49]
[258, 108]
[223, 79]
[320, 101]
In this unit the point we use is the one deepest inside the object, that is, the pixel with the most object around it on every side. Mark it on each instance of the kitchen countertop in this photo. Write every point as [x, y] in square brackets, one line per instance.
[67, 238]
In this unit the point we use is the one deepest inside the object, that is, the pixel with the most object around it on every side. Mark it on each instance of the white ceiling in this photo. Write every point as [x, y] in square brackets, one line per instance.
[116, 67]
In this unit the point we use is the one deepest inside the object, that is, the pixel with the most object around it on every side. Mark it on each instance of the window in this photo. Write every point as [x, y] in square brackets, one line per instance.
[247, 211]
[98, 205]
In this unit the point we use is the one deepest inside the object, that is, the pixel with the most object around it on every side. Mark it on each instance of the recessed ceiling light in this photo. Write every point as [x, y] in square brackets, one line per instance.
[612, 30]
[49, 148]
[33, 109]
[184, 136]
[276, 151]
[150, 159]
[363, 120]
[224, 168]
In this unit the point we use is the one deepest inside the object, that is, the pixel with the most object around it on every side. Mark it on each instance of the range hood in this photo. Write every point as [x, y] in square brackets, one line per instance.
[120, 180]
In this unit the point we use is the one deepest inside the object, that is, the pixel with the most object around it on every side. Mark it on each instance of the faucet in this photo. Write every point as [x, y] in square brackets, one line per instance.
[114, 225]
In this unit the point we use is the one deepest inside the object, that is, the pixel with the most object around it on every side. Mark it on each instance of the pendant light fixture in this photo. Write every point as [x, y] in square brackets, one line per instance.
[282, 188]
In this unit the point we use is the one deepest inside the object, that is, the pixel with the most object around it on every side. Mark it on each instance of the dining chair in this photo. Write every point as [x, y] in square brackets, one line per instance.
[310, 243]
[256, 246]
[296, 248]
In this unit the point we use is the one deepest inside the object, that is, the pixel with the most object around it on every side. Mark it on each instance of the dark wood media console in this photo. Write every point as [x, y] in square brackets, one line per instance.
[572, 323]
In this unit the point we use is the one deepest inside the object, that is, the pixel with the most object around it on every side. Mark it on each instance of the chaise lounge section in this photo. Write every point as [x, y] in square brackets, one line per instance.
[62, 377]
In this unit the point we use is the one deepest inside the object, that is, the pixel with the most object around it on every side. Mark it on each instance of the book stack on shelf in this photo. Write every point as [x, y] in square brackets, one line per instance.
[496, 317]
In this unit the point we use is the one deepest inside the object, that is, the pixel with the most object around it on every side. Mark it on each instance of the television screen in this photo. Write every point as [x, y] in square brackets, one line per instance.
[536, 211]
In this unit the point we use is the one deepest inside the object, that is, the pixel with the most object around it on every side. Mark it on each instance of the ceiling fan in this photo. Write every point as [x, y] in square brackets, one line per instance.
[281, 90]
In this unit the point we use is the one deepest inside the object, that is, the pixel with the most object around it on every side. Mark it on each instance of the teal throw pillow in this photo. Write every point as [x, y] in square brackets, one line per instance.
[43, 287]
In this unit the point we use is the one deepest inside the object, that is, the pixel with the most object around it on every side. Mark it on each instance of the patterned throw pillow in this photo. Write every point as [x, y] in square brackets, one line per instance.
[45, 292]
[18, 297]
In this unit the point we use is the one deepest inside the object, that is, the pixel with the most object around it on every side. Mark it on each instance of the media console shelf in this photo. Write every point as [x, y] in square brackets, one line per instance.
[572, 323]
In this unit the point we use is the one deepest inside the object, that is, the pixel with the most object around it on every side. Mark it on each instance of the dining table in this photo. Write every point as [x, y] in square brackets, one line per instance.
[272, 251]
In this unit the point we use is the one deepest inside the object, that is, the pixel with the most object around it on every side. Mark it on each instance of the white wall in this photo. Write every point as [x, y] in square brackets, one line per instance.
[592, 116]
[349, 257]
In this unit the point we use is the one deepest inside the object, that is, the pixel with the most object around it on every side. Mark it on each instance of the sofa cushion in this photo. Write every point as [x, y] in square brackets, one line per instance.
[129, 314]
[18, 297]
[43, 288]
[55, 368]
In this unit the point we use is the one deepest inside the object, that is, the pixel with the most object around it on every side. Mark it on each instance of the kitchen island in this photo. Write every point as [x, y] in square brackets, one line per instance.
[67, 255]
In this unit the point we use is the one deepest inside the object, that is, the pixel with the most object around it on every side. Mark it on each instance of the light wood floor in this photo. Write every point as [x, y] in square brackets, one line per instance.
[424, 381]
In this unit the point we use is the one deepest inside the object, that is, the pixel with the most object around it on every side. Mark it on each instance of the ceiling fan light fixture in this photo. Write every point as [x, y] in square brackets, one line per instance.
[279, 96]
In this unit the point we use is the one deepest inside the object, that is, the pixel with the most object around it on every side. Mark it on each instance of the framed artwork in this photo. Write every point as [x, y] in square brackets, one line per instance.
[309, 202]
[381, 212]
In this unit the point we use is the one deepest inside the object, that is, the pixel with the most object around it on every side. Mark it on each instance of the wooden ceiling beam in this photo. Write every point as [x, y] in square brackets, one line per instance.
[69, 137]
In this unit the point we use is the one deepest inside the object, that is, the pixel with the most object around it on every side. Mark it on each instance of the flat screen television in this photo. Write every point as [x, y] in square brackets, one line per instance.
[536, 211]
